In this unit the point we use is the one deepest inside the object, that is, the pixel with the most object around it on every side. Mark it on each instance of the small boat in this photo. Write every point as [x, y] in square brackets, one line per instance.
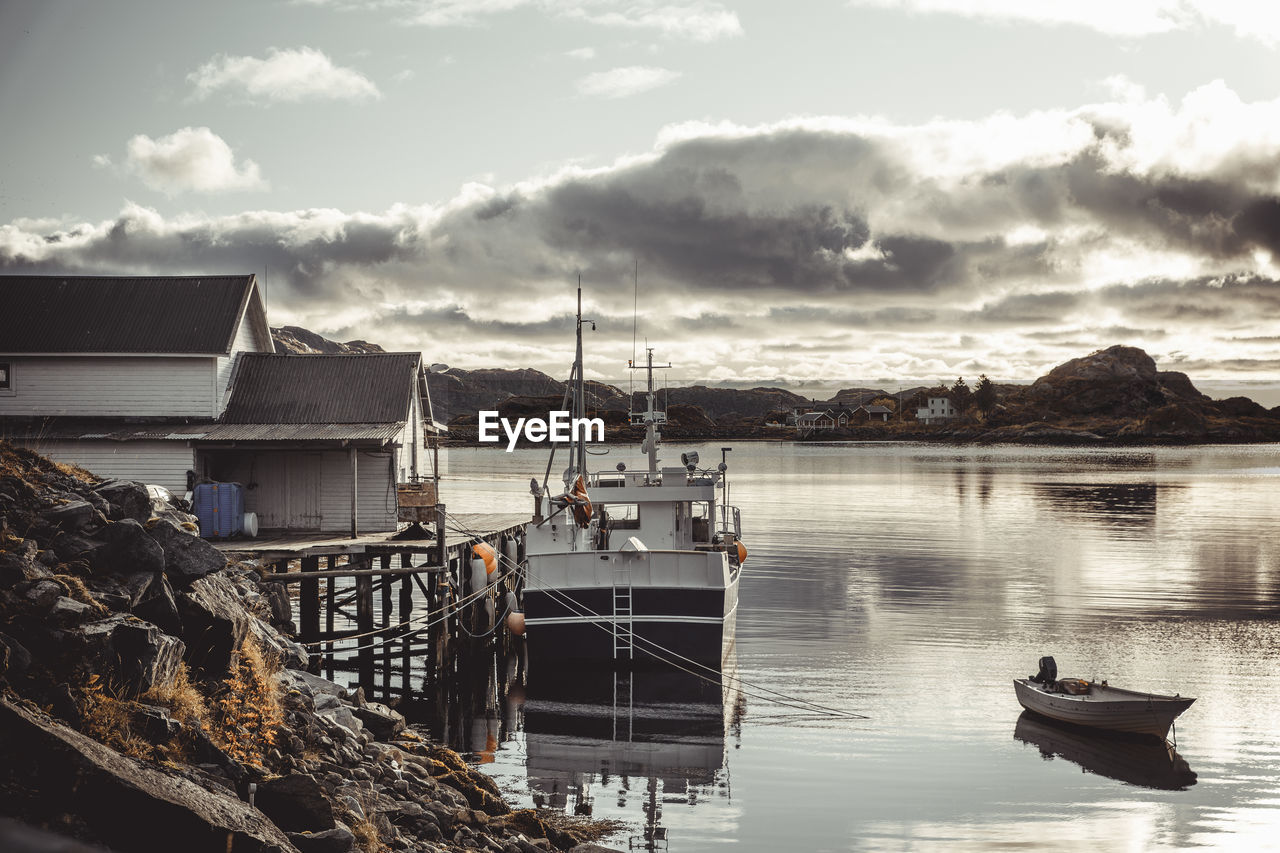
[1098, 705]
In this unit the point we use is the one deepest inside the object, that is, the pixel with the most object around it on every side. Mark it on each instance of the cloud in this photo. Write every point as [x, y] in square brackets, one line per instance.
[839, 246]
[581, 53]
[625, 82]
[193, 159]
[290, 75]
[695, 20]
[1133, 18]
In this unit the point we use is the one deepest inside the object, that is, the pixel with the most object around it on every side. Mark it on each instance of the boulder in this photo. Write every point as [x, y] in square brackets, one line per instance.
[15, 660]
[21, 564]
[296, 802]
[214, 624]
[74, 546]
[155, 723]
[125, 499]
[70, 516]
[314, 685]
[281, 607]
[290, 654]
[187, 557]
[383, 722]
[159, 607]
[43, 594]
[121, 802]
[336, 840]
[128, 550]
[68, 610]
[138, 654]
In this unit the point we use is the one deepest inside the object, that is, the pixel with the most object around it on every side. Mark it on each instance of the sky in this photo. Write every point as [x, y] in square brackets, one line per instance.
[886, 191]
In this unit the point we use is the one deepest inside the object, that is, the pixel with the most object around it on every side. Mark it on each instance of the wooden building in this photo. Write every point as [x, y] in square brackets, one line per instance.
[167, 380]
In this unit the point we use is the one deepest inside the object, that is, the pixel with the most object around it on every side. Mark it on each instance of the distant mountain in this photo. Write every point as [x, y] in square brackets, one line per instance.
[461, 394]
[300, 341]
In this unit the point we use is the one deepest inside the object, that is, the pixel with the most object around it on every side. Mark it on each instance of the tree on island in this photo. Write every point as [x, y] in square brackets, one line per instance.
[961, 396]
[984, 395]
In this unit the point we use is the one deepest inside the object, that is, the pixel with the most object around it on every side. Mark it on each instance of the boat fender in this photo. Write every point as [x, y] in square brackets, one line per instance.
[479, 577]
[515, 623]
[742, 553]
[486, 552]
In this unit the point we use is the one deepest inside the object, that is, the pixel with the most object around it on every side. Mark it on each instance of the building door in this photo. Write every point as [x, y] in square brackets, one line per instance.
[271, 500]
[303, 478]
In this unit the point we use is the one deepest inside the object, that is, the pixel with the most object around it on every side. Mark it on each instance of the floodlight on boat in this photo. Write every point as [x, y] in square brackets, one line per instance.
[690, 459]
[438, 368]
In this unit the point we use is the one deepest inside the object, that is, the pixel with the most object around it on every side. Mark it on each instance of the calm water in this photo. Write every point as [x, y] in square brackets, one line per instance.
[912, 583]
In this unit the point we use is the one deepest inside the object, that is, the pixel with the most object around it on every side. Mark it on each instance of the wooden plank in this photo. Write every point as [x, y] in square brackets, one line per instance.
[364, 625]
[309, 602]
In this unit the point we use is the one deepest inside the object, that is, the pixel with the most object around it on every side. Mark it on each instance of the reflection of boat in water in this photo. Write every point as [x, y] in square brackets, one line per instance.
[1136, 760]
[635, 740]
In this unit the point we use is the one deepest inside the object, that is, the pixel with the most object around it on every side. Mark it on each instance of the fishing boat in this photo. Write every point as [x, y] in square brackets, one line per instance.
[1098, 705]
[631, 565]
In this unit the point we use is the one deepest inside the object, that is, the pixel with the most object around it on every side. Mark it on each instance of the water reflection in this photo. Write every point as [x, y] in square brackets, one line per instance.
[632, 742]
[1118, 504]
[1145, 762]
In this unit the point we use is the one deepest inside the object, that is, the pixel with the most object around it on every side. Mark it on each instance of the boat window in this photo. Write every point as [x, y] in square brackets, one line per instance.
[624, 516]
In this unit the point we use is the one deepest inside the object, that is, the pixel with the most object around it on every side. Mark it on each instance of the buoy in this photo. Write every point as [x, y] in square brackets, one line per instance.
[515, 623]
[509, 551]
[485, 551]
[489, 611]
[479, 576]
[742, 552]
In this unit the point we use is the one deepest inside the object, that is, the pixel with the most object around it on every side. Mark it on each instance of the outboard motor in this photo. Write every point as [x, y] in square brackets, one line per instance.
[1048, 671]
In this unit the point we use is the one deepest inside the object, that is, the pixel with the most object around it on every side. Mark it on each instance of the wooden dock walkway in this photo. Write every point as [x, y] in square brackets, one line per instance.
[378, 574]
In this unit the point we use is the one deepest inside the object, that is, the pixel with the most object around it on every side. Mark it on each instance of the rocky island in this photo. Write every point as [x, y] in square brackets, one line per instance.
[151, 699]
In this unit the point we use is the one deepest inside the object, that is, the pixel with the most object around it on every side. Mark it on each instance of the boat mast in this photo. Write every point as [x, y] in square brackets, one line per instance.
[579, 396]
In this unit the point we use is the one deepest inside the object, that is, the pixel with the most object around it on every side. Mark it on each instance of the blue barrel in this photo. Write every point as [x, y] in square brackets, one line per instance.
[219, 508]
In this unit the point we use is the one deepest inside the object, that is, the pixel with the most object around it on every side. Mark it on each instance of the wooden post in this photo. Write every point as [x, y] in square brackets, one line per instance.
[329, 590]
[406, 612]
[309, 609]
[385, 561]
[364, 625]
[355, 488]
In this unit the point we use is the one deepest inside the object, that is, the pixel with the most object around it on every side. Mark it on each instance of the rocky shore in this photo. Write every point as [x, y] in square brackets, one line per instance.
[151, 699]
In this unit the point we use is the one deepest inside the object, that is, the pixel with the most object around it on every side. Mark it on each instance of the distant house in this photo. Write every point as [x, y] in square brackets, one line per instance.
[873, 412]
[810, 422]
[939, 411]
[168, 380]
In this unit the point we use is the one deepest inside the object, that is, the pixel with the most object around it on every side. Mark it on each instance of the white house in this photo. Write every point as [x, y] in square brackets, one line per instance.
[938, 411]
[168, 380]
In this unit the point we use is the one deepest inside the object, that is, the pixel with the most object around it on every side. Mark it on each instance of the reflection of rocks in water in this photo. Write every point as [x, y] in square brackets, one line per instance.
[637, 740]
[1136, 760]
[1115, 504]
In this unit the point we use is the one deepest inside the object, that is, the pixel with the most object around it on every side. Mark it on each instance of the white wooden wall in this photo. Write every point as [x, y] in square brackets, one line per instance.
[163, 463]
[376, 496]
[111, 386]
[246, 341]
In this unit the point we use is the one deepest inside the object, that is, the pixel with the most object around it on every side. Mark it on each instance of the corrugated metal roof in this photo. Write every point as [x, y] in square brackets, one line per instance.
[322, 389]
[104, 314]
[381, 432]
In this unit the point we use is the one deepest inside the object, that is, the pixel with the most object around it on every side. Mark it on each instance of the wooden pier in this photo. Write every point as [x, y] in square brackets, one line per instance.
[386, 580]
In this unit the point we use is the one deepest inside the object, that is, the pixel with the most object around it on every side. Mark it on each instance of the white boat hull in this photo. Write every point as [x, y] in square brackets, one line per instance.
[1110, 708]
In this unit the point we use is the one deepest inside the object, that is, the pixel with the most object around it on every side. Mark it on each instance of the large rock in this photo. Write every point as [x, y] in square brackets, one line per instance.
[70, 516]
[187, 557]
[137, 654]
[383, 722]
[128, 550]
[21, 564]
[297, 803]
[214, 624]
[61, 775]
[159, 607]
[336, 840]
[125, 499]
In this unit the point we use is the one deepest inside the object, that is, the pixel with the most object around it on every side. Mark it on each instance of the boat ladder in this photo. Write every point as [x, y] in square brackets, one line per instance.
[623, 638]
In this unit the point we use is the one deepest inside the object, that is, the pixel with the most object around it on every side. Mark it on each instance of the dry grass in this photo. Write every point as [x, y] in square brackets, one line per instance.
[246, 711]
[108, 719]
[76, 589]
[367, 838]
[75, 471]
[187, 706]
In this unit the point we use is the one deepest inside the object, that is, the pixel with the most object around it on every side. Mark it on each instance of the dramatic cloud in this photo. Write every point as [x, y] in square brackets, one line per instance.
[624, 82]
[301, 74]
[1130, 18]
[193, 159]
[699, 20]
[810, 248]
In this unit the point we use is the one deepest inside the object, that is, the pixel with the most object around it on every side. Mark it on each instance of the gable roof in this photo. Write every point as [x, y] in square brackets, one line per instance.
[322, 389]
[122, 314]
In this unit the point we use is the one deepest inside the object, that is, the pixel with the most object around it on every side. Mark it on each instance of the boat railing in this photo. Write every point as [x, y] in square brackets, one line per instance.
[732, 525]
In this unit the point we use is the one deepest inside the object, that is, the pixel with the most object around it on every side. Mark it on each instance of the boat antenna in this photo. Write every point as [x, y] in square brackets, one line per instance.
[635, 319]
[580, 397]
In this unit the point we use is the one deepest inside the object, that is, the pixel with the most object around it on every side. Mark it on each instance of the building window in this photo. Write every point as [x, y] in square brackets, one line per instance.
[6, 379]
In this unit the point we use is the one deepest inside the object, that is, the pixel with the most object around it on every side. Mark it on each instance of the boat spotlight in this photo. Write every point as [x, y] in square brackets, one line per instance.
[689, 460]
[622, 466]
